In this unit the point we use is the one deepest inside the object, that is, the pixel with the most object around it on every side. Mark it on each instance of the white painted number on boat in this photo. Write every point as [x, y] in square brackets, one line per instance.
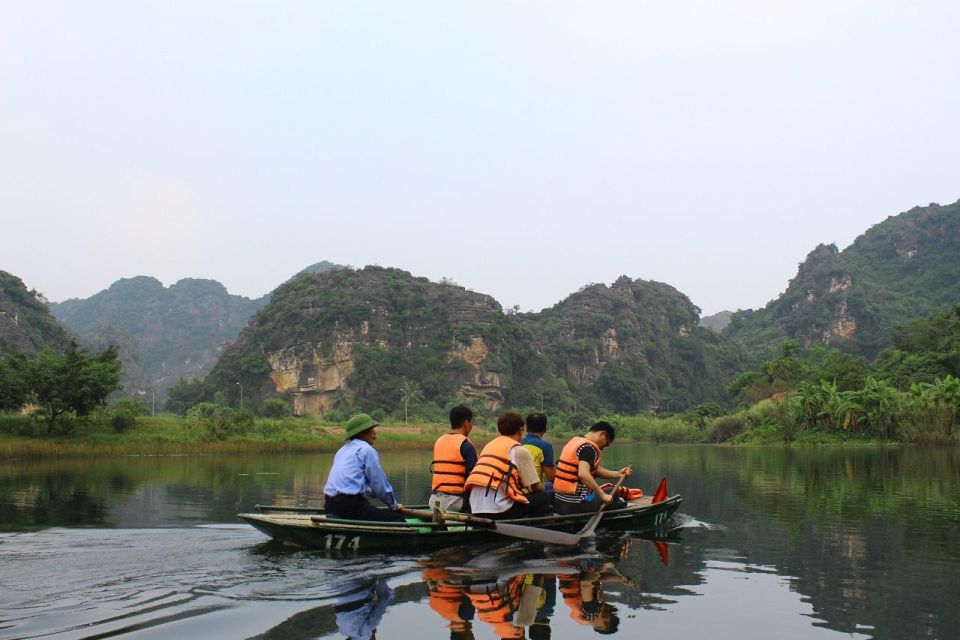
[354, 542]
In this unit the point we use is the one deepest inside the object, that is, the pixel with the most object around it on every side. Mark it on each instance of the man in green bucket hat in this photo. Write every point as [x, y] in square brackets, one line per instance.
[356, 474]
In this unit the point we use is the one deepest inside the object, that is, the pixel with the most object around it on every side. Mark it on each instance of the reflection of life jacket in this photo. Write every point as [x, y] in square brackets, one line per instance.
[584, 613]
[496, 605]
[445, 598]
[567, 477]
[494, 467]
[448, 466]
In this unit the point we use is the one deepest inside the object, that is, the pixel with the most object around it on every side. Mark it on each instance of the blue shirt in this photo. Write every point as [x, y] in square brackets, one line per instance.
[356, 471]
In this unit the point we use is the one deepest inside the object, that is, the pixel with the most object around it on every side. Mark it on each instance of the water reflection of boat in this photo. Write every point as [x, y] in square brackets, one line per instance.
[312, 528]
[515, 594]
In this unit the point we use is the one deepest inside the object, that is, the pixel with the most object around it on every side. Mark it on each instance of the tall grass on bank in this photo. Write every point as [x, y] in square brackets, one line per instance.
[22, 437]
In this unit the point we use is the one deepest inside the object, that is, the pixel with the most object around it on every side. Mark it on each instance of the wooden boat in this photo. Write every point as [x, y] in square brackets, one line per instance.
[312, 528]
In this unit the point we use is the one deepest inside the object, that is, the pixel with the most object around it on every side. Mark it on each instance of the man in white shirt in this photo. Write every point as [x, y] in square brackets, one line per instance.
[503, 472]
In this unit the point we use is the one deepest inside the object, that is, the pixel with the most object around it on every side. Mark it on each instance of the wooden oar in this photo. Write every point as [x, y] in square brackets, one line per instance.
[536, 534]
[591, 525]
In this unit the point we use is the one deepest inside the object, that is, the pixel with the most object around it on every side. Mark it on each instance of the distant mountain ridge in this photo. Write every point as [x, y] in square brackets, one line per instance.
[163, 333]
[904, 268]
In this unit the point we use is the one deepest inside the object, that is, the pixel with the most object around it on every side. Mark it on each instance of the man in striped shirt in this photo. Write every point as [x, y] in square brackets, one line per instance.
[575, 486]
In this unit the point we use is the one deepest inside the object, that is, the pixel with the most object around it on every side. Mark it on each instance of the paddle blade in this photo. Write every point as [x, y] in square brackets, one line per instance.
[536, 534]
[661, 493]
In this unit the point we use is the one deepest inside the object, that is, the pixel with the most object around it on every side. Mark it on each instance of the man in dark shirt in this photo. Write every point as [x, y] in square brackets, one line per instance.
[454, 457]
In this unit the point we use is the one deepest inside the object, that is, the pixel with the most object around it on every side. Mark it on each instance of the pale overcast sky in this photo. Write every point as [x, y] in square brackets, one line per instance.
[522, 149]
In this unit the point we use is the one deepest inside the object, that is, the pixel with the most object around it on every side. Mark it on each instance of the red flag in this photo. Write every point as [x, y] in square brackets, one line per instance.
[661, 493]
[663, 551]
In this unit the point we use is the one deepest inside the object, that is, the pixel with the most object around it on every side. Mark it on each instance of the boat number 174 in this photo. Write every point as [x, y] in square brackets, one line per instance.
[342, 542]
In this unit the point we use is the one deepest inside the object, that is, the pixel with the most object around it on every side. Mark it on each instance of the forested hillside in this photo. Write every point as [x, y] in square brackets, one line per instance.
[26, 325]
[376, 337]
[901, 269]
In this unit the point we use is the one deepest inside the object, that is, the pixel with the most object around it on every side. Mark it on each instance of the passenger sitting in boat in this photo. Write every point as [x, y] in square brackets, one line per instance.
[454, 457]
[541, 450]
[575, 488]
[356, 473]
[504, 469]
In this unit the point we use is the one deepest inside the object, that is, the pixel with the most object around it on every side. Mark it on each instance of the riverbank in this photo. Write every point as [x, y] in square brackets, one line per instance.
[23, 438]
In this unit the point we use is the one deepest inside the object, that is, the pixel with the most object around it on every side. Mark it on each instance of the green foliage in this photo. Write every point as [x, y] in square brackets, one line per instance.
[35, 329]
[185, 394]
[274, 408]
[132, 406]
[214, 422]
[123, 413]
[703, 412]
[899, 270]
[72, 382]
[723, 428]
[14, 381]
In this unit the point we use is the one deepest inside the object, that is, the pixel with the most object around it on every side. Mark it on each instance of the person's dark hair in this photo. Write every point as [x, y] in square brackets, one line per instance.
[509, 424]
[537, 423]
[607, 428]
[609, 614]
[459, 415]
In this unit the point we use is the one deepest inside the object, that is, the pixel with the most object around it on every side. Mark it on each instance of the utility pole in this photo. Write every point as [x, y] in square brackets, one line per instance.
[241, 395]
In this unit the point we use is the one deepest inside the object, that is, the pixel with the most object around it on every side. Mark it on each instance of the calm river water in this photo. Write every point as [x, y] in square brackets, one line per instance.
[813, 543]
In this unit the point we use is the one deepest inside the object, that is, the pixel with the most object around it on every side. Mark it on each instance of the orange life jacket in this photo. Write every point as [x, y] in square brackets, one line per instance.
[448, 466]
[567, 476]
[494, 467]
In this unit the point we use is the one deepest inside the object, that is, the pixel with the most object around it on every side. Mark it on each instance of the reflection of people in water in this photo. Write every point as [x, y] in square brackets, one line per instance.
[518, 605]
[359, 613]
[449, 600]
[496, 602]
[539, 629]
[583, 593]
[506, 604]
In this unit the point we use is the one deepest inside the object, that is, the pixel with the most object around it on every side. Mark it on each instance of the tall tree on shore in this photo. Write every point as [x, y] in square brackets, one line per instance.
[74, 381]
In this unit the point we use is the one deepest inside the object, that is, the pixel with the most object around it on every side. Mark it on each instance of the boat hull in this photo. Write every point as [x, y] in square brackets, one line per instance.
[312, 529]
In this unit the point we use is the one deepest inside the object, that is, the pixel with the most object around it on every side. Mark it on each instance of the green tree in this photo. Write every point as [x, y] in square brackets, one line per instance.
[14, 385]
[410, 393]
[274, 408]
[73, 382]
[124, 413]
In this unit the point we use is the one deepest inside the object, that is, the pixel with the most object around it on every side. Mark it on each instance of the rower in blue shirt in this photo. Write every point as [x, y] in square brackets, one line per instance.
[356, 474]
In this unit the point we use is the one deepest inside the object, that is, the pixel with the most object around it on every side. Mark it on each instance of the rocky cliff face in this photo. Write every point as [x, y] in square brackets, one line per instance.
[359, 339]
[635, 345]
[26, 325]
[349, 337]
[901, 269]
